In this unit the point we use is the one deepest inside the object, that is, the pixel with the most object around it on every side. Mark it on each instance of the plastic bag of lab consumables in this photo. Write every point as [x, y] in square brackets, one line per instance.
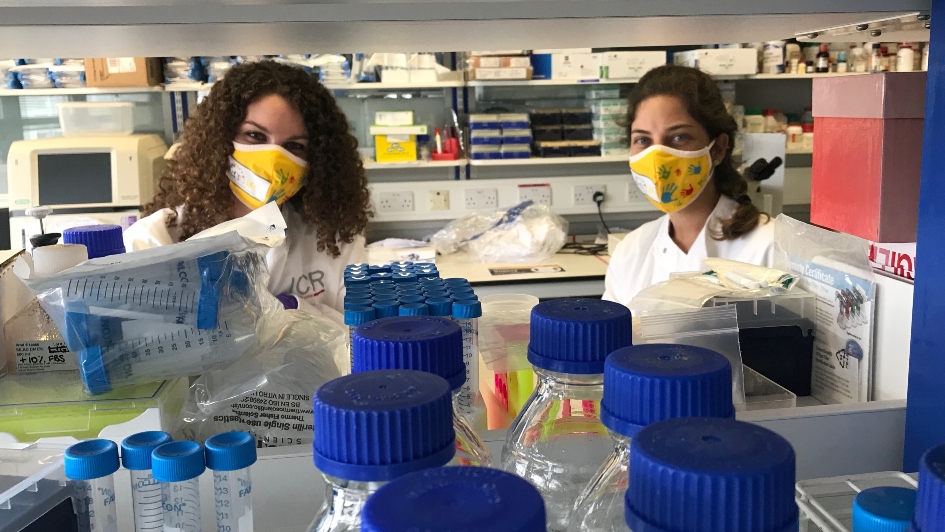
[268, 392]
[524, 233]
[160, 313]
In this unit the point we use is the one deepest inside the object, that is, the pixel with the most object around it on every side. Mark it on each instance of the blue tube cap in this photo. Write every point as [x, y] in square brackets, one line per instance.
[467, 309]
[177, 461]
[91, 459]
[405, 277]
[359, 316]
[358, 302]
[357, 289]
[136, 449]
[92, 371]
[440, 306]
[382, 276]
[884, 509]
[576, 335]
[455, 499]
[647, 383]
[411, 298]
[422, 343]
[710, 475]
[386, 308]
[378, 269]
[100, 240]
[357, 280]
[379, 425]
[930, 500]
[427, 274]
[454, 281]
[413, 309]
[230, 451]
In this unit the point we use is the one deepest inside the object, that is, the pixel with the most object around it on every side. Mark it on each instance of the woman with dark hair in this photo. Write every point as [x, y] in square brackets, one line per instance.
[681, 140]
[269, 132]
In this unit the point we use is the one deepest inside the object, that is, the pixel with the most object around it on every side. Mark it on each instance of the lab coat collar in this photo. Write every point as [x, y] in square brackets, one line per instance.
[724, 209]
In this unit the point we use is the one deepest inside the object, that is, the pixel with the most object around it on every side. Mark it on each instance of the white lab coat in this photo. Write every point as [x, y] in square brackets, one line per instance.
[648, 255]
[314, 278]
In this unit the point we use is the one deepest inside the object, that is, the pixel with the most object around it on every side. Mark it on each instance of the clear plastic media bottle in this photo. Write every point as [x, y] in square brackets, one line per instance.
[145, 491]
[557, 442]
[697, 474]
[371, 428]
[229, 455]
[455, 498]
[91, 465]
[423, 343]
[178, 466]
[644, 384]
[930, 499]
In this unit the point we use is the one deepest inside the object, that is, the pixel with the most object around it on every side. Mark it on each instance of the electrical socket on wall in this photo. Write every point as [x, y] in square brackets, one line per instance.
[539, 194]
[584, 194]
[395, 201]
[634, 194]
[477, 199]
[439, 200]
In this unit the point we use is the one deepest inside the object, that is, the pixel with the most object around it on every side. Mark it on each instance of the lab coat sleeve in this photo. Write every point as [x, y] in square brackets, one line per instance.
[148, 232]
[610, 291]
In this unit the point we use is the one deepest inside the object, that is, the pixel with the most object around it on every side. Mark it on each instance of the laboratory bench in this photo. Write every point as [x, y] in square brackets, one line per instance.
[563, 275]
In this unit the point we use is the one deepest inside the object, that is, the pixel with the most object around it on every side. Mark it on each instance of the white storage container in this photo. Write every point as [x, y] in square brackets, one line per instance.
[96, 118]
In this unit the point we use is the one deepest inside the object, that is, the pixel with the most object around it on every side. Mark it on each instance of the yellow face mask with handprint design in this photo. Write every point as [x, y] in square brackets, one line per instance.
[260, 173]
[670, 178]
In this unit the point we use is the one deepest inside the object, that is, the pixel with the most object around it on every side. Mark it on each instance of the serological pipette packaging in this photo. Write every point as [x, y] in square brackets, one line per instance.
[268, 392]
[160, 313]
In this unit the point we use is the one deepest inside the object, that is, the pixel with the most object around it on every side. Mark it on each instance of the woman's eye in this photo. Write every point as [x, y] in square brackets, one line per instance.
[641, 141]
[681, 138]
[256, 136]
[295, 147]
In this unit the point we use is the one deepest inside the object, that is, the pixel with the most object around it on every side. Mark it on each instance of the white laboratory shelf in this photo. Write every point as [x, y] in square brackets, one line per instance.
[371, 164]
[548, 82]
[550, 160]
[806, 76]
[395, 86]
[78, 91]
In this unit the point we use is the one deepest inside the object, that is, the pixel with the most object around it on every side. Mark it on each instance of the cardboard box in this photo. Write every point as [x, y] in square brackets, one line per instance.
[629, 65]
[517, 61]
[720, 62]
[124, 71]
[868, 154]
[577, 66]
[395, 148]
[500, 74]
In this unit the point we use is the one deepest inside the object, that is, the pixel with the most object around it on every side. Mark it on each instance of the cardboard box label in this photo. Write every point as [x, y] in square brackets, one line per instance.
[41, 356]
[121, 65]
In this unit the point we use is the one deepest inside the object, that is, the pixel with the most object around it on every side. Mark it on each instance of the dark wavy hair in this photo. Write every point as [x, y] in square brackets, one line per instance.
[700, 94]
[335, 197]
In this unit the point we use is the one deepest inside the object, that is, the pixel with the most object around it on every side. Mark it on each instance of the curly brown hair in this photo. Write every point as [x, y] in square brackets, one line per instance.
[335, 197]
[703, 100]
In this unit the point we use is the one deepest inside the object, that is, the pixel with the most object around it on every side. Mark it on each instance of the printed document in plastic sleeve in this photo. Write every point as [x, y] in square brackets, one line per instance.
[843, 344]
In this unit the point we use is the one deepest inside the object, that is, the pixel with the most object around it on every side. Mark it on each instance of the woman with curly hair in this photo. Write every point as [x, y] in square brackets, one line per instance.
[681, 139]
[269, 132]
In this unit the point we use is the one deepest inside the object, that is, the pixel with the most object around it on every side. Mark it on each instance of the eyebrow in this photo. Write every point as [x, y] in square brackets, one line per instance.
[670, 129]
[303, 136]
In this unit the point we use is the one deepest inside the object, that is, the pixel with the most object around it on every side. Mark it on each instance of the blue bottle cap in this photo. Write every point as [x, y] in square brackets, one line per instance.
[384, 289]
[884, 509]
[456, 290]
[379, 282]
[427, 274]
[136, 449]
[405, 277]
[710, 475]
[91, 459]
[359, 266]
[378, 269]
[230, 451]
[436, 293]
[411, 298]
[359, 316]
[177, 461]
[647, 383]
[356, 302]
[357, 270]
[379, 425]
[464, 297]
[386, 308]
[421, 343]
[467, 309]
[930, 500]
[453, 281]
[576, 335]
[92, 371]
[409, 291]
[440, 306]
[455, 499]
[353, 280]
[382, 276]
[424, 265]
[431, 280]
[358, 290]
[100, 240]
[413, 309]
[401, 263]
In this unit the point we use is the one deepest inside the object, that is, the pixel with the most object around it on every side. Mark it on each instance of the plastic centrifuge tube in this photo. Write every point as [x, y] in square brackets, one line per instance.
[90, 465]
[455, 498]
[145, 491]
[178, 466]
[466, 314]
[371, 428]
[423, 343]
[229, 456]
[644, 384]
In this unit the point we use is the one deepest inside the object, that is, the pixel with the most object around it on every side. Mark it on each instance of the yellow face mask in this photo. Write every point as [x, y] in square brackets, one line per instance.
[670, 178]
[260, 173]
